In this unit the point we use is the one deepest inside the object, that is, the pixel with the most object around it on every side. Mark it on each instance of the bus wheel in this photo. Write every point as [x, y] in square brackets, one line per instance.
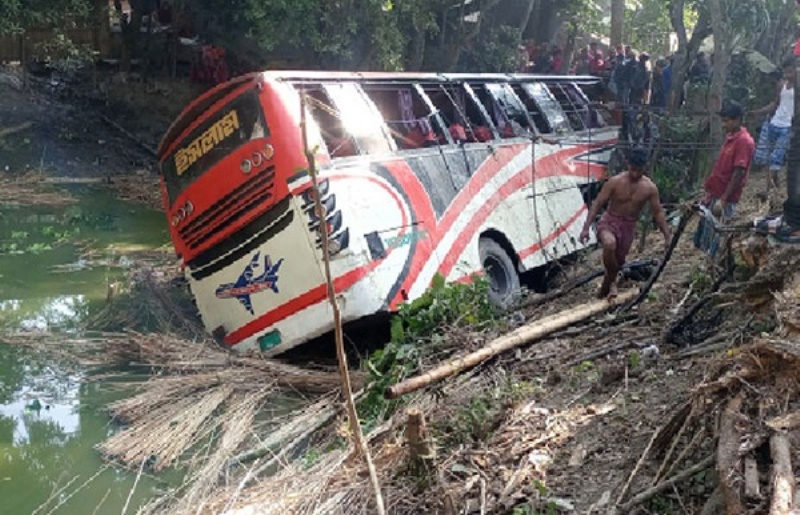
[504, 286]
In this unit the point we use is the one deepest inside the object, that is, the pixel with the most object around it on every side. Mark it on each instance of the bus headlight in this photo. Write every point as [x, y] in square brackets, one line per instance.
[247, 166]
[269, 152]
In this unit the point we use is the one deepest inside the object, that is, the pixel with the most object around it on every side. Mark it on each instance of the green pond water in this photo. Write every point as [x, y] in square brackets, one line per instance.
[51, 413]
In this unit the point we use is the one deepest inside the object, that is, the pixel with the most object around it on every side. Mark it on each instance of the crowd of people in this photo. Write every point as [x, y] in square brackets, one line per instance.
[631, 77]
[631, 81]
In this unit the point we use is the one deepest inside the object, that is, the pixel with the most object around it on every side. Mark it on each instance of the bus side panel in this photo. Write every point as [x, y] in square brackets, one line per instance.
[385, 232]
[504, 171]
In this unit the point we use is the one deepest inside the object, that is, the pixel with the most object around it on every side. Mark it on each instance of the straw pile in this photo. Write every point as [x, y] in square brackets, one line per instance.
[155, 299]
[31, 189]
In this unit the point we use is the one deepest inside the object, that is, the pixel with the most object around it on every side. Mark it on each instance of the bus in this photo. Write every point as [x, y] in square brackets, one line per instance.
[418, 175]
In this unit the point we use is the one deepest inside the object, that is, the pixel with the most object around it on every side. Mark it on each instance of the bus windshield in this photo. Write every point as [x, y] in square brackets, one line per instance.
[227, 129]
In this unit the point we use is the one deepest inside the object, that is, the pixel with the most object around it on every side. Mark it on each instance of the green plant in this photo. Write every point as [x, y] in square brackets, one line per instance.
[63, 54]
[634, 359]
[418, 330]
[311, 456]
[700, 279]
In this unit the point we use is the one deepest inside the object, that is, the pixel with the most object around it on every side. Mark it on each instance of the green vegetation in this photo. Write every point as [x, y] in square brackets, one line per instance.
[419, 331]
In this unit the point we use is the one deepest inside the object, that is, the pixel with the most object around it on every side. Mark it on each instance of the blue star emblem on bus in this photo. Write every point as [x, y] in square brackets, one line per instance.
[251, 281]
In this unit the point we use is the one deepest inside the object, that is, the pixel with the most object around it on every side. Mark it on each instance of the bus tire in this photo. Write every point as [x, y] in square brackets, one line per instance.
[504, 282]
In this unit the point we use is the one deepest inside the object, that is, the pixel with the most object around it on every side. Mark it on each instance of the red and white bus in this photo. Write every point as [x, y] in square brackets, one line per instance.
[420, 174]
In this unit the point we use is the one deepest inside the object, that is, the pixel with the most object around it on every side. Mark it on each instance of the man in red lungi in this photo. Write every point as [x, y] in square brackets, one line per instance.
[626, 195]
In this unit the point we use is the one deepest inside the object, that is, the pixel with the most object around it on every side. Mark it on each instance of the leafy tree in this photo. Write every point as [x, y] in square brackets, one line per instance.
[18, 15]
[443, 35]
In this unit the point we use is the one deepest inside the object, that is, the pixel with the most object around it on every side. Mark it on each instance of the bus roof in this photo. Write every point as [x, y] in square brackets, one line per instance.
[324, 76]
[209, 97]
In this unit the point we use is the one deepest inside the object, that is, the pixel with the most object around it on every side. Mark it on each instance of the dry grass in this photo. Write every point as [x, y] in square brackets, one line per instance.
[31, 189]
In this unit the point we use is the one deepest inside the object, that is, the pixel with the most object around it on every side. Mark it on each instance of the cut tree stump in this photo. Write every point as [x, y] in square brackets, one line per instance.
[522, 335]
[421, 452]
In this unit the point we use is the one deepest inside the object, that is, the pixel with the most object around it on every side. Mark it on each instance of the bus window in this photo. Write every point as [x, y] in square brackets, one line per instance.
[593, 92]
[542, 126]
[320, 106]
[510, 111]
[549, 106]
[580, 114]
[235, 124]
[406, 113]
[359, 117]
[459, 112]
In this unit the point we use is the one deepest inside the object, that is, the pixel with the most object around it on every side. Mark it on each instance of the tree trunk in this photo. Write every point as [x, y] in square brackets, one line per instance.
[526, 16]
[617, 20]
[417, 51]
[791, 208]
[687, 48]
[722, 58]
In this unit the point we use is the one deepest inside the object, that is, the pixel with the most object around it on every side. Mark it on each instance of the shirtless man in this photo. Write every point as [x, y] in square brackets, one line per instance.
[626, 195]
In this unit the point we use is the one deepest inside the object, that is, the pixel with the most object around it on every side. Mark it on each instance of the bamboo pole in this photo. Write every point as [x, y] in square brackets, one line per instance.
[347, 390]
[525, 334]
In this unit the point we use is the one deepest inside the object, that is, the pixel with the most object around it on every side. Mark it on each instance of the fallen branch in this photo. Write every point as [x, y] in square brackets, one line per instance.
[316, 416]
[655, 490]
[627, 268]
[687, 215]
[678, 420]
[729, 465]
[525, 334]
[782, 475]
[599, 353]
[130, 135]
[8, 131]
[669, 335]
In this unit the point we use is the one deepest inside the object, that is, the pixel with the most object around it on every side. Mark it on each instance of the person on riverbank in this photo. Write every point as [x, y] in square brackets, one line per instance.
[776, 132]
[626, 195]
[727, 180]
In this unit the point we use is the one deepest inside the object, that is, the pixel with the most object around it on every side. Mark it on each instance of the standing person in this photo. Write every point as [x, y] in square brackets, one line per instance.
[640, 79]
[582, 62]
[625, 75]
[773, 140]
[700, 70]
[626, 195]
[667, 78]
[658, 93]
[728, 178]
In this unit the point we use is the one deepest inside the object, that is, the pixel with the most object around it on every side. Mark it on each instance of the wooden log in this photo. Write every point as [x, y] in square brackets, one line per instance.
[729, 466]
[782, 475]
[522, 335]
[752, 488]
[676, 236]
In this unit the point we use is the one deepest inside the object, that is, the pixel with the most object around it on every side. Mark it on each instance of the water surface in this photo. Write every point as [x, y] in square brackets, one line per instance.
[56, 264]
